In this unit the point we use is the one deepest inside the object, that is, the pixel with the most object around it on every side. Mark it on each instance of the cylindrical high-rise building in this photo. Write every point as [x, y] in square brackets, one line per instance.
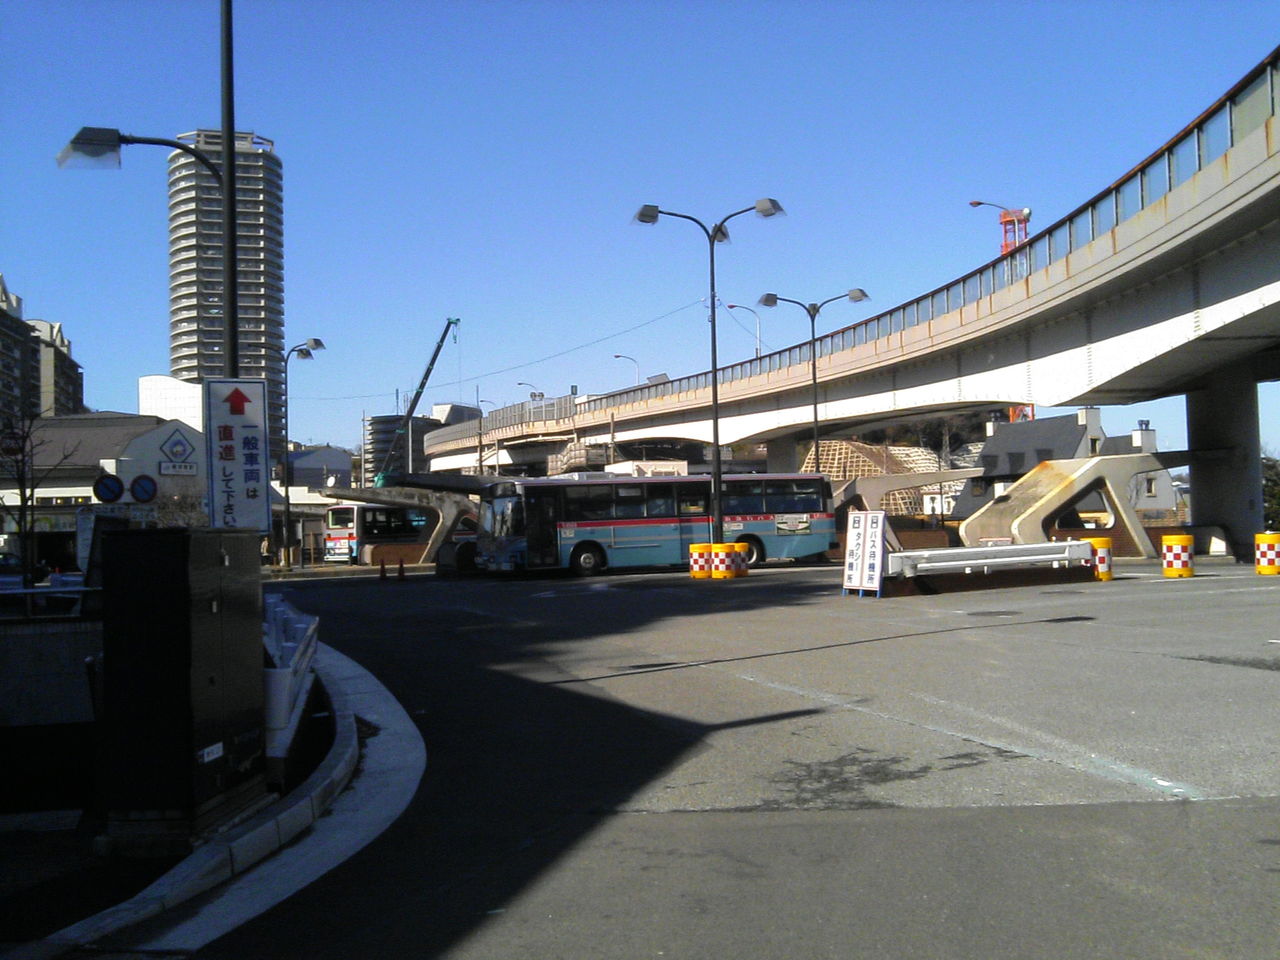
[196, 324]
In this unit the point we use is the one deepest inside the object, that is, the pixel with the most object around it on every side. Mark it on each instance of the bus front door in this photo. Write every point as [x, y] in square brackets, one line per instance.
[542, 546]
[693, 506]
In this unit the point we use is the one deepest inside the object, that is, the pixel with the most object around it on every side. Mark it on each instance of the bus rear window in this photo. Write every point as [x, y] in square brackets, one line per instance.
[341, 518]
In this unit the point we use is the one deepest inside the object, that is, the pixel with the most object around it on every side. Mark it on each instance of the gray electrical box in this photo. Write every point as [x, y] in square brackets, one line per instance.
[183, 746]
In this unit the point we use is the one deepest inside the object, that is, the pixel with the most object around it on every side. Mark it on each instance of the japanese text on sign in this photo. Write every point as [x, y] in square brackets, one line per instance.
[239, 462]
[864, 550]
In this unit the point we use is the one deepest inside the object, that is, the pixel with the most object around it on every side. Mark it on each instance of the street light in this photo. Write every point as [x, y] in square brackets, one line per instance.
[304, 351]
[96, 146]
[1013, 222]
[772, 300]
[649, 213]
[99, 147]
[480, 433]
[623, 356]
[534, 392]
[739, 306]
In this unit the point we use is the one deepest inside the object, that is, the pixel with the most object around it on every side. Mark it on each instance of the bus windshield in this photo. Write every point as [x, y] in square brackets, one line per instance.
[502, 517]
[341, 518]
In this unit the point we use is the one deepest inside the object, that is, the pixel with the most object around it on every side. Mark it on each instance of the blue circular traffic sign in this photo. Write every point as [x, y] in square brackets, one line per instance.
[108, 488]
[142, 488]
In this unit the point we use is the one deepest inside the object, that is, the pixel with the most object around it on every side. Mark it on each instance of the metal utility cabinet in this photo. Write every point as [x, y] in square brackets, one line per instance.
[183, 746]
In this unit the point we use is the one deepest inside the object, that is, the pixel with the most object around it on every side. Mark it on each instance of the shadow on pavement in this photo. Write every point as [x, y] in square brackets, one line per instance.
[518, 770]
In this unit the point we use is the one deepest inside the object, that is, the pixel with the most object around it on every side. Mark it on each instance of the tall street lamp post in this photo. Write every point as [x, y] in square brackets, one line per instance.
[623, 356]
[812, 309]
[303, 351]
[740, 306]
[649, 213]
[480, 435]
[100, 146]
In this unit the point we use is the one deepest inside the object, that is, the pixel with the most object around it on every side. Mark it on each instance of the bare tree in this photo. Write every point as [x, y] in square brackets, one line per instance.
[24, 468]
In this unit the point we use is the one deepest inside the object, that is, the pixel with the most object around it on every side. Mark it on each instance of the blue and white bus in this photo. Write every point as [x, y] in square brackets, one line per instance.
[587, 523]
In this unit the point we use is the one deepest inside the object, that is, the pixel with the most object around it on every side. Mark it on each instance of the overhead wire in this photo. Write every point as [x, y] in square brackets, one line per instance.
[529, 363]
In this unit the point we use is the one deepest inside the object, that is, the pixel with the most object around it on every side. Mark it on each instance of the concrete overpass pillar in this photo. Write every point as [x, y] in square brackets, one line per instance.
[1226, 480]
[782, 455]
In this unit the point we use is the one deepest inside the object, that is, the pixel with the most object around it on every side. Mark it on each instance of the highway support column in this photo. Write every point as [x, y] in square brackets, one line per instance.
[782, 455]
[1226, 474]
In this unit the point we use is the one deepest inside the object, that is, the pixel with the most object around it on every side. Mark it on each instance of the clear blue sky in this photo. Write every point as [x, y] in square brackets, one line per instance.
[484, 160]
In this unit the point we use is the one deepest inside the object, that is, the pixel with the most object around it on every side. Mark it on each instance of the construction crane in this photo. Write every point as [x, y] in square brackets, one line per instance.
[1013, 222]
[403, 431]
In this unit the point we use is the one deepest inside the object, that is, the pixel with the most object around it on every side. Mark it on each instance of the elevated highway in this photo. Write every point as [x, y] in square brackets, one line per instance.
[1166, 282]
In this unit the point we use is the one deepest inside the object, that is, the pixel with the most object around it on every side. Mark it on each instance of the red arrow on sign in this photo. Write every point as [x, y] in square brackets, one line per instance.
[236, 401]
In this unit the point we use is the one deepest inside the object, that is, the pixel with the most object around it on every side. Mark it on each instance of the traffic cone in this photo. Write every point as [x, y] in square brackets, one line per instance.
[400, 575]
[382, 569]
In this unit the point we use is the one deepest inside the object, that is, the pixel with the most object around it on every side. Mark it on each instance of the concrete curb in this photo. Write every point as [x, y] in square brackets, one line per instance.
[223, 857]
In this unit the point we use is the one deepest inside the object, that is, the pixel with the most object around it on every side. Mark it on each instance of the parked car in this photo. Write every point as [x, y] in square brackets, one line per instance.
[11, 565]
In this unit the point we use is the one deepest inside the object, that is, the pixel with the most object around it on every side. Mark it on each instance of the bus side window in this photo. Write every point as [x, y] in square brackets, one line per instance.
[809, 498]
[629, 504]
[743, 496]
[588, 503]
[692, 503]
[779, 496]
[658, 500]
[794, 496]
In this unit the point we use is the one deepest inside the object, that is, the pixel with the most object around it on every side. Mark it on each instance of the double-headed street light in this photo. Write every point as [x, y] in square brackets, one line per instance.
[772, 300]
[303, 351]
[649, 213]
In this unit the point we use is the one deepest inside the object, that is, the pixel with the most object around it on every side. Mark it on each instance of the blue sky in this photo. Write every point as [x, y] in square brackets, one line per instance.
[484, 160]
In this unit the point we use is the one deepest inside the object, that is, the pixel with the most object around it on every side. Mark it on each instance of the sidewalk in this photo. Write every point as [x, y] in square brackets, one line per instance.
[335, 570]
[56, 896]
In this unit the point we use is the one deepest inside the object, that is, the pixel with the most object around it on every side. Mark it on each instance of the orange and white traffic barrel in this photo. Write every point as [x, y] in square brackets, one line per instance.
[700, 561]
[1101, 561]
[740, 553]
[722, 561]
[1266, 551]
[1177, 555]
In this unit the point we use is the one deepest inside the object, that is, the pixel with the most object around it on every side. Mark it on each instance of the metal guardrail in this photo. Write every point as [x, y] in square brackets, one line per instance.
[289, 638]
[911, 563]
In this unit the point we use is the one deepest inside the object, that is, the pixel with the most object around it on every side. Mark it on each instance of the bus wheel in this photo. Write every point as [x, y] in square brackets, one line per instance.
[586, 561]
[755, 551]
[465, 558]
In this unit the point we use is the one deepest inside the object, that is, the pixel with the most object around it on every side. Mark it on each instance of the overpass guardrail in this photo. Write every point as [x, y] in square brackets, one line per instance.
[1248, 107]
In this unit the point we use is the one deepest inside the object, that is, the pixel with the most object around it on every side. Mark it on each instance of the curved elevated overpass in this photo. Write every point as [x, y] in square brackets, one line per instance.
[1166, 282]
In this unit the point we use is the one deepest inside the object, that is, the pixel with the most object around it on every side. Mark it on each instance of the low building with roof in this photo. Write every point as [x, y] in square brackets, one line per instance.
[68, 455]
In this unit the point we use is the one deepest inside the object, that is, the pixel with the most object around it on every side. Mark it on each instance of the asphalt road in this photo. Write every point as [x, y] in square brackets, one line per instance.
[649, 766]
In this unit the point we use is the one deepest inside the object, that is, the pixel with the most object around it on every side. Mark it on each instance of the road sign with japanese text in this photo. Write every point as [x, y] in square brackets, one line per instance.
[235, 436]
[864, 550]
